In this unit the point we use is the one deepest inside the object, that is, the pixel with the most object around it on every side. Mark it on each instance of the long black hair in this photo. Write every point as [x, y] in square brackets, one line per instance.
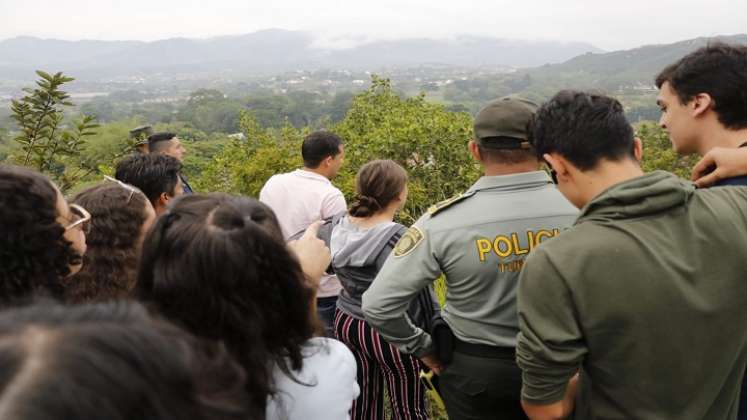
[113, 361]
[34, 254]
[215, 264]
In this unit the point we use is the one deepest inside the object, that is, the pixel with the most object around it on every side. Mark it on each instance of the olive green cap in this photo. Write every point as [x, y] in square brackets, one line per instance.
[141, 134]
[503, 123]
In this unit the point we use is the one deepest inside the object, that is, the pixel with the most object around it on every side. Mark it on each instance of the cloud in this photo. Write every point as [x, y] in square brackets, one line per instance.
[609, 25]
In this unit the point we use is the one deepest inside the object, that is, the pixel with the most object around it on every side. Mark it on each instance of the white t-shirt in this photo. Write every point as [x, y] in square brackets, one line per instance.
[329, 370]
[298, 199]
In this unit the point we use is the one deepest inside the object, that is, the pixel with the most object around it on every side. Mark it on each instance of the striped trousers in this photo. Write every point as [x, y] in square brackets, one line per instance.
[379, 364]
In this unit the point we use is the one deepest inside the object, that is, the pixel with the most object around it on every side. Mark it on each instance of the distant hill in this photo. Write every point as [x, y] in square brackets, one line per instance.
[267, 51]
[622, 69]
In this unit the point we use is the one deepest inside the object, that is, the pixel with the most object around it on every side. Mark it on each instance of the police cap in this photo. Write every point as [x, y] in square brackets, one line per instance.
[502, 123]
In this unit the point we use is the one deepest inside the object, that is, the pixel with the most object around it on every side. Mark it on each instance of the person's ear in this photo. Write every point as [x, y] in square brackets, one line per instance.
[474, 150]
[638, 149]
[700, 104]
[558, 164]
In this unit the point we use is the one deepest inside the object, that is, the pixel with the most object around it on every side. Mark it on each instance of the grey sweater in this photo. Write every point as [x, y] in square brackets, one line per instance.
[357, 256]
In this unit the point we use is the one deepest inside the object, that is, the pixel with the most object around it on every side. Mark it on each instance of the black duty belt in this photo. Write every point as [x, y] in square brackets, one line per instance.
[484, 350]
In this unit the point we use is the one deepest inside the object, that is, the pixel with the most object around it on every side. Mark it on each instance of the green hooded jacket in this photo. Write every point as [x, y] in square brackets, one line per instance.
[647, 296]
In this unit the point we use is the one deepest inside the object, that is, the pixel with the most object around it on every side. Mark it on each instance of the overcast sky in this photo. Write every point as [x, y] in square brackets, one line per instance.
[607, 24]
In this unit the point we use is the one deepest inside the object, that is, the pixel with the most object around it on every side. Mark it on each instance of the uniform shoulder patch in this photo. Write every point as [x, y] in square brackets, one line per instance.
[409, 241]
[432, 210]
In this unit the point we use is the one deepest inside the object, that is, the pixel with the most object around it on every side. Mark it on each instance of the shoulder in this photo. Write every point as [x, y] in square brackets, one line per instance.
[274, 180]
[449, 202]
[333, 191]
[330, 353]
[324, 388]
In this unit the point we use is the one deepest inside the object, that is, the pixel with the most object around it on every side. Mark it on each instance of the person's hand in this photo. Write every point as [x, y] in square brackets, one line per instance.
[312, 253]
[719, 163]
[433, 363]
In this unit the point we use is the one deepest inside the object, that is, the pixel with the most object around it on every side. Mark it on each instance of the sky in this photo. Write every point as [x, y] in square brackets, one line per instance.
[609, 25]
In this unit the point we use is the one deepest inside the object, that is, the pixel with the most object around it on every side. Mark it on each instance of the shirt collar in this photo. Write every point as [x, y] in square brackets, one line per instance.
[311, 175]
[518, 181]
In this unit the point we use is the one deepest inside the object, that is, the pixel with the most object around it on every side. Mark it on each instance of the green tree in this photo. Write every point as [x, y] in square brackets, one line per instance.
[243, 166]
[209, 110]
[658, 153]
[45, 140]
[427, 140]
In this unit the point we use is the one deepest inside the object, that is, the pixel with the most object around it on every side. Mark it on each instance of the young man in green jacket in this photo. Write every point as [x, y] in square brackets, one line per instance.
[639, 310]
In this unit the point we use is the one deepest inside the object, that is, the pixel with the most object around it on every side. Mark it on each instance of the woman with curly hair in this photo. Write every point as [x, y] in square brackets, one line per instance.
[121, 216]
[42, 238]
[216, 264]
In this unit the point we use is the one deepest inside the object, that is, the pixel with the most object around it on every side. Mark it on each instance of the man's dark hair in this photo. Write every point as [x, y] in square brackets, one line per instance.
[112, 361]
[153, 174]
[720, 70]
[217, 265]
[317, 146]
[34, 254]
[157, 142]
[582, 127]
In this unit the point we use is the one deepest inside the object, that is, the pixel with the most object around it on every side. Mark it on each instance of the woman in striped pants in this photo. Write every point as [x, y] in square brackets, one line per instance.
[360, 243]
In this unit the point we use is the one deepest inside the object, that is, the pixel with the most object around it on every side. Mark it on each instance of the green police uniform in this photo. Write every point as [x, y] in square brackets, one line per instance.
[479, 241]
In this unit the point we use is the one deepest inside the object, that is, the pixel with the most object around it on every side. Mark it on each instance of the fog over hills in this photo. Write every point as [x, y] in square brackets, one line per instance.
[268, 51]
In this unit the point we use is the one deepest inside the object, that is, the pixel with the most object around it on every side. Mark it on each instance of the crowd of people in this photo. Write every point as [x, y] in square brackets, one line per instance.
[588, 289]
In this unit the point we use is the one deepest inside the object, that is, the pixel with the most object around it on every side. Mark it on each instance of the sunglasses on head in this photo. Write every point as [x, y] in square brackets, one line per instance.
[81, 218]
[128, 187]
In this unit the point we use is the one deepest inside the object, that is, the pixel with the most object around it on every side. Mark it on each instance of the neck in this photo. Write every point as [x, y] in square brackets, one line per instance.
[383, 216]
[318, 171]
[497, 169]
[605, 175]
[722, 137]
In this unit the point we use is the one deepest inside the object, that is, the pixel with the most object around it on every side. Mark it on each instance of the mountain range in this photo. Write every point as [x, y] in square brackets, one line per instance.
[269, 51]
[626, 68]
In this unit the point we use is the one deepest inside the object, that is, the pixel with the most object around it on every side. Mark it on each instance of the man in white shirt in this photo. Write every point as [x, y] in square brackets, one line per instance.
[306, 195]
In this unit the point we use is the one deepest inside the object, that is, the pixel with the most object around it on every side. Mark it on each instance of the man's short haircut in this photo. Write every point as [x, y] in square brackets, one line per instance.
[158, 141]
[583, 128]
[153, 174]
[317, 146]
[506, 156]
[720, 70]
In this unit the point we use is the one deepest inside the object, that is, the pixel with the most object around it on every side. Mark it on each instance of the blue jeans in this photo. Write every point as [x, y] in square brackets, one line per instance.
[325, 308]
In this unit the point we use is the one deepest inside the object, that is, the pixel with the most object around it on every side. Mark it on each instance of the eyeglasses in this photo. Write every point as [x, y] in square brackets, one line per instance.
[128, 187]
[553, 173]
[81, 217]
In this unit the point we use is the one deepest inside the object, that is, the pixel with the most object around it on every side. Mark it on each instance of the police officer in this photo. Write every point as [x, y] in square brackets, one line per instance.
[478, 241]
[139, 138]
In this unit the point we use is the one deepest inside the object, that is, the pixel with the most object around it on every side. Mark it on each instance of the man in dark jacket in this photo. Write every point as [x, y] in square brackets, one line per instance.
[703, 105]
[638, 311]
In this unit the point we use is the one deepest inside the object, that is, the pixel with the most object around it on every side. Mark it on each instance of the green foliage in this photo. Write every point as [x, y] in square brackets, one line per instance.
[427, 140]
[209, 110]
[658, 153]
[104, 148]
[243, 166]
[45, 141]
